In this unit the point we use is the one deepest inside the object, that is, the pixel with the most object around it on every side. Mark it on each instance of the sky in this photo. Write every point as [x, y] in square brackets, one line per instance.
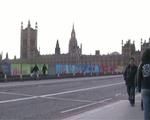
[99, 24]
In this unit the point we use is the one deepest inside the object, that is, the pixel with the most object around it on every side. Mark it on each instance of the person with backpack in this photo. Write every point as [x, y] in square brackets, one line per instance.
[130, 78]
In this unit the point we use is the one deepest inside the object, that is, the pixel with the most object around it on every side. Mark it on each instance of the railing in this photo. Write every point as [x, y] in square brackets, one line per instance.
[8, 78]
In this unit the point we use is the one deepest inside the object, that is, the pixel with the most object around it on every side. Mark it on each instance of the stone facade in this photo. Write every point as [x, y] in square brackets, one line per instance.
[73, 45]
[28, 42]
[30, 54]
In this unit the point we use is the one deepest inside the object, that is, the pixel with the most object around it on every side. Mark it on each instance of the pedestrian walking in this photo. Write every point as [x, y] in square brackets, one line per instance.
[143, 78]
[44, 69]
[35, 72]
[130, 78]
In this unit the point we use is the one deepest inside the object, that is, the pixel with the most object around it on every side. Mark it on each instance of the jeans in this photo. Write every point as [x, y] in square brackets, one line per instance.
[35, 75]
[131, 93]
[146, 103]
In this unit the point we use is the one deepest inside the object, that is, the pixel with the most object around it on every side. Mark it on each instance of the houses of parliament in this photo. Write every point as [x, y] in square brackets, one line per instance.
[29, 54]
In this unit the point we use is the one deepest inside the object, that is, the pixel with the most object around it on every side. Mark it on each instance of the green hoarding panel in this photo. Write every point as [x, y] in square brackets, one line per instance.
[15, 69]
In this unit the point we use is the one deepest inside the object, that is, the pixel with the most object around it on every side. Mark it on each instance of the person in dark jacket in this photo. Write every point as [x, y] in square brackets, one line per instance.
[44, 69]
[139, 76]
[130, 77]
[143, 78]
[35, 71]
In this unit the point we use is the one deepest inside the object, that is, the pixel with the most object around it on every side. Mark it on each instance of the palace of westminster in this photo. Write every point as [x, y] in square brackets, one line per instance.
[29, 53]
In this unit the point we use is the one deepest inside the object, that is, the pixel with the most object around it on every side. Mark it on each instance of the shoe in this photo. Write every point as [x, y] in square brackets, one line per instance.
[132, 105]
[142, 108]
[132, 102]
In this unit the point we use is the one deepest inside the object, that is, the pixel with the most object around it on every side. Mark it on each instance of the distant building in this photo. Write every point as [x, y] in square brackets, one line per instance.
[28, 42]
[29, 53]
[73, 44]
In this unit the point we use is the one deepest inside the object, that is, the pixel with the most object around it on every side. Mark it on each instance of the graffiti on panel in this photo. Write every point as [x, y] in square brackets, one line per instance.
[76, 68]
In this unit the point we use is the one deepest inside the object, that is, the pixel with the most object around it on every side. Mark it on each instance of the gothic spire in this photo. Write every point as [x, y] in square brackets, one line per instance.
[21, 25]
[29, 23]
[122, 43]
[73, 28]
[57, 44]
[73, 31]
[141, 41]
[57, 49]
[7, 55]
[36, 26]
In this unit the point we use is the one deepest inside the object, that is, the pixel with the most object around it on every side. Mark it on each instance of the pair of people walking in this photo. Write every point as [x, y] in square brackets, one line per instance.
[141, 77]
[35, 71]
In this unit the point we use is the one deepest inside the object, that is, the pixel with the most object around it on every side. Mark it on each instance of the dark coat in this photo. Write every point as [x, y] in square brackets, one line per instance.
[130, 74]
[44, 69]
[35, 69]
[143, 76]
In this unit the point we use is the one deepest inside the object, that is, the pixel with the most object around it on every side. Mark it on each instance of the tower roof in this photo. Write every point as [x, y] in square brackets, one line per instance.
[57, 44]
[57, 49]
[73, 31]
[73, 28]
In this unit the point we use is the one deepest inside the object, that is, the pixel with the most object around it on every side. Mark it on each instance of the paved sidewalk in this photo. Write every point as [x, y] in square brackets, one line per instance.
[120, 110]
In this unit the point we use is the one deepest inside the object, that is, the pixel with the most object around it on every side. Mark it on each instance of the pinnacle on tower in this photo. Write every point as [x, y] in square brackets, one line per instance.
[81, 48]
[29, 23]
[57, 44]
[141, 41]
[7, 55]
[36, 25]
[57, 49]
[73, 31]
[73, 28]
[21, 25]
[122, 42]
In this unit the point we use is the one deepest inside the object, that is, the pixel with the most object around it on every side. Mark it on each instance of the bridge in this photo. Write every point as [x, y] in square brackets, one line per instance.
[86, 98]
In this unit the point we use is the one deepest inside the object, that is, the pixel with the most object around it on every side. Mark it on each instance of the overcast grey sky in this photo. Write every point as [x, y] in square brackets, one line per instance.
[99, 24]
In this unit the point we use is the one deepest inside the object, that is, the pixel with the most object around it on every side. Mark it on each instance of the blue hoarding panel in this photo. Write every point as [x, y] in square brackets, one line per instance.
[77, 68]
[6, 69]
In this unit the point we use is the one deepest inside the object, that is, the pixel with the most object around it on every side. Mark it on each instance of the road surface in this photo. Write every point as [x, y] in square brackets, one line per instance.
[59, 98]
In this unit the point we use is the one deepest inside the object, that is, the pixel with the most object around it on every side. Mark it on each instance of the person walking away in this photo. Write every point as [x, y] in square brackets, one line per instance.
[144, 82]
[130, 77]
[138, 82]
[35, 71]
[44, 69]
